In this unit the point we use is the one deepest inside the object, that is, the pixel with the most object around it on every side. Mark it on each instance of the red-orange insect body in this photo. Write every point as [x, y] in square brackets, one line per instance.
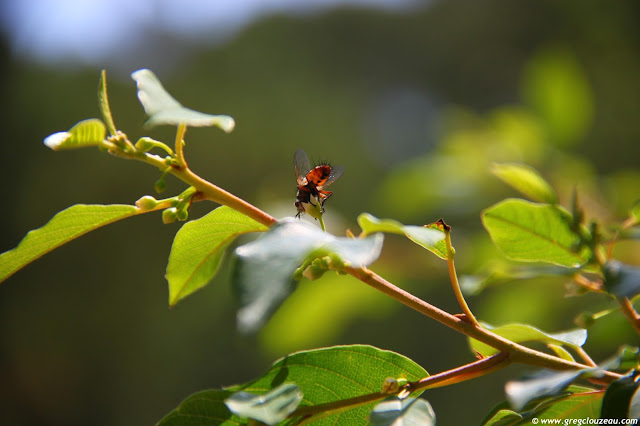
[311, 182]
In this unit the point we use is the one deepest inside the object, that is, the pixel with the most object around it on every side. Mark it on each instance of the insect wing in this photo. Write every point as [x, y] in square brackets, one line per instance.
[335, 173]
[301, 165]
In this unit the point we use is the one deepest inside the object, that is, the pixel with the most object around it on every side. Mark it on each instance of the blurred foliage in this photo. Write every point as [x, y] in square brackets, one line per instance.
[416, 106]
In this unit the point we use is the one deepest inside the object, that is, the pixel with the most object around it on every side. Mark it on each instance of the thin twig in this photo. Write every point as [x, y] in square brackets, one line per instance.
[454, 277]
[630, 313]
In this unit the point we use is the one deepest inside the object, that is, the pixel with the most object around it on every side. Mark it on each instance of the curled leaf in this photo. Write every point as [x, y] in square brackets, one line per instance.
[162, 108]
[86, 133]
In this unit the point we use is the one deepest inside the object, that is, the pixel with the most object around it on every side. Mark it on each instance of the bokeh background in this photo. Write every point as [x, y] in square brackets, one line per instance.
[415, 99]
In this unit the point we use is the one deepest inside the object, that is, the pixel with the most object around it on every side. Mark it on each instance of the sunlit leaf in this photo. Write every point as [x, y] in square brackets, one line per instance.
[401, 412]
[162, 108]
[63, 227]
[621, 279]
[526, 180]
[531, 232]
[263, 275]
[86, 133]
[270, 408]
[103, 101]
[430, 238]
[198, 248]
[621, 399]
[520, 333]
[323, 375]
[561, 352]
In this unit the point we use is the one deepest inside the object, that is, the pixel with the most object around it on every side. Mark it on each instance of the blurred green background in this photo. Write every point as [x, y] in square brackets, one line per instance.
[416, 100]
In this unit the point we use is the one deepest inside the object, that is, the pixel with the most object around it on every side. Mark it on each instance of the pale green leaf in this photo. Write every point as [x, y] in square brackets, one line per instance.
[263, 275]
[63, 227]
[103, 101]
[527, 180]
[270, 408]
[520, 333]
[403, 412]
[89, 132]
[428, 237]
[198, 248]
[531, 232]
[162, 108]
[323, 375]
[561, 352]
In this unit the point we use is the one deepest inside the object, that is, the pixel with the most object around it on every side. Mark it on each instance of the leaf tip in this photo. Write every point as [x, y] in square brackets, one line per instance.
[56, 140]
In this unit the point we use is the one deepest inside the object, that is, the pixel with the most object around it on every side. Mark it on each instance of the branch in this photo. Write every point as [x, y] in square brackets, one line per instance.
[517, 352]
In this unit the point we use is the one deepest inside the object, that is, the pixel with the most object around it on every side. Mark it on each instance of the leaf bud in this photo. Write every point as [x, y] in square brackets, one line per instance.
[147, 203]
[169, 215]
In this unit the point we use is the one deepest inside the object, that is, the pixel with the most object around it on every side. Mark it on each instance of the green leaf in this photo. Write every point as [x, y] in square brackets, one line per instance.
[270, 408]
[527, 180]
[531, 232]
[263, 275]
[430, 238]
[635, 211]
[525, 333]
[198, 248]
[561, 352]
[63, 227]
[89, 132]
[103, 100]
[503, 417]
[323, 375]
[400, 412]
[336, 373]
[621, 279]
[204, 408]
[621, 398]
[162, 108]
[576, 402]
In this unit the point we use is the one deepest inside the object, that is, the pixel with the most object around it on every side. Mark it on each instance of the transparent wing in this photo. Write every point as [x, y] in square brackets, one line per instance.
[336, 172]
[301, 164]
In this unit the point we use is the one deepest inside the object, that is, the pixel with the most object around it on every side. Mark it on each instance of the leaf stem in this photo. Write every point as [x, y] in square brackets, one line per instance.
[454, 277]
[630, 313]
[207, 189]
[182, 129]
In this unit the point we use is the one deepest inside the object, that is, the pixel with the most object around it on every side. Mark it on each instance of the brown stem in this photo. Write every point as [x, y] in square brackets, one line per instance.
[587, 283]
[517, 352]
[206, 188]
[630, 313]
